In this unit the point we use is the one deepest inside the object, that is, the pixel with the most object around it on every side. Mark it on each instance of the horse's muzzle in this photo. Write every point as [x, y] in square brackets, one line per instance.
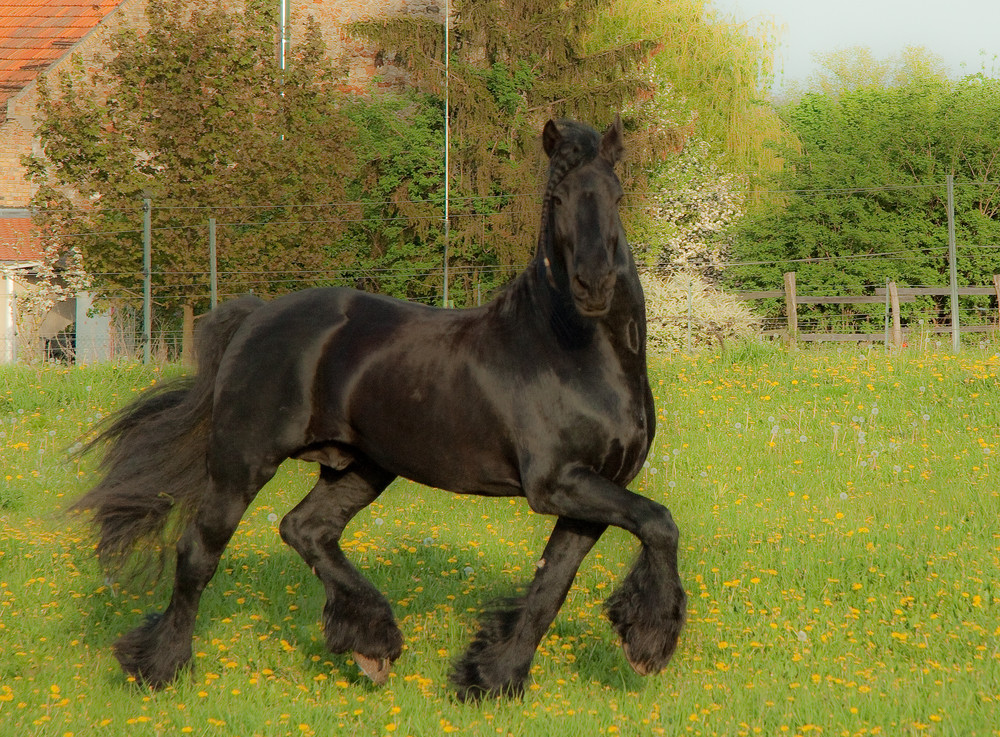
[593, 295]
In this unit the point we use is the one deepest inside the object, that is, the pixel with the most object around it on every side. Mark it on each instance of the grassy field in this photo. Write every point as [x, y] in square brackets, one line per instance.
[840, 548]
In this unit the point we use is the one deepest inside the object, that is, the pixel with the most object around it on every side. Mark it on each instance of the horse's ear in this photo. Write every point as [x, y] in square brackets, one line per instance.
[612, 143]
[550, 137]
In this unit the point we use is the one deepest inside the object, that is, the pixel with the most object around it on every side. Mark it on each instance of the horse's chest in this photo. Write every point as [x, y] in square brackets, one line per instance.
[610, 428]
[626, 442]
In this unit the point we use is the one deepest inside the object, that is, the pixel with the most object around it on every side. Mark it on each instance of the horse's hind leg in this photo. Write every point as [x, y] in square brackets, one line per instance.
[499, 659]
[356, 617]
[155, 651]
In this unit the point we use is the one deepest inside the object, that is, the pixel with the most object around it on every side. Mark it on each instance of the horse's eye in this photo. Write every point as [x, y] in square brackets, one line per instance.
[557, 200]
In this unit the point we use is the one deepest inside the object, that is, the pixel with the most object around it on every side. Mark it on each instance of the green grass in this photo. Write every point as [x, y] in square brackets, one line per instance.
[840, 548]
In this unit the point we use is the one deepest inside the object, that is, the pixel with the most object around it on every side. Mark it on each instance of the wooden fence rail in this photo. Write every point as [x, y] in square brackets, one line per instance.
[891, 296]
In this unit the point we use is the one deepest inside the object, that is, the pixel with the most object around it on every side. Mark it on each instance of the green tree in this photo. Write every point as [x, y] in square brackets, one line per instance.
[396, 240]
[864, 199]
[197, 115]
[512, 65]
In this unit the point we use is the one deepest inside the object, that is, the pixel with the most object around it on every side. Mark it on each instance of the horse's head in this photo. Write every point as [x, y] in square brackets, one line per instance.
[583, 234]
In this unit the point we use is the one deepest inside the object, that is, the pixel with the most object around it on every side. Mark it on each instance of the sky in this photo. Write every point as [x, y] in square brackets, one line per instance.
[956, 30]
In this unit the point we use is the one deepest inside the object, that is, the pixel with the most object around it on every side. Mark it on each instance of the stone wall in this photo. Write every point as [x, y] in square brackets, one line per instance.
[364, 67]
[17, 128]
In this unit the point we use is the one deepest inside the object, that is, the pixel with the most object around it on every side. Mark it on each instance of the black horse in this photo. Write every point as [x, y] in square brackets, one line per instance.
[542, 393]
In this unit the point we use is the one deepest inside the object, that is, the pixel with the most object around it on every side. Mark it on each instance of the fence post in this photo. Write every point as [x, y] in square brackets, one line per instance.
[791, 307]
[187, 334]
[897, 327]
[690, 314]
[885, 318]
[996, 288]
[147, 281]
[953, 267]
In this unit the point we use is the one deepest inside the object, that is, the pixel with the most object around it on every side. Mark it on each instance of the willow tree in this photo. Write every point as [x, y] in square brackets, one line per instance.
[512, 64]
[857, 67]
[718, 69]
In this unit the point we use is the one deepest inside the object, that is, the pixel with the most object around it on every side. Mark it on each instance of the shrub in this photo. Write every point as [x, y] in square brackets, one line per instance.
[714, 316]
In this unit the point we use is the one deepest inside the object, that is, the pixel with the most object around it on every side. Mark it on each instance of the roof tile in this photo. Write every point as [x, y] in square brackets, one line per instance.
[17, 241]
[36, 33]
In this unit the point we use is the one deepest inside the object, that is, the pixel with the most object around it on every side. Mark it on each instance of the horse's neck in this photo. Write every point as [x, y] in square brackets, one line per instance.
[531, 300]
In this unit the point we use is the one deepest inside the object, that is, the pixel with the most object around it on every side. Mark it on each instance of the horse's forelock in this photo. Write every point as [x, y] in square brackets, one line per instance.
[579, 144]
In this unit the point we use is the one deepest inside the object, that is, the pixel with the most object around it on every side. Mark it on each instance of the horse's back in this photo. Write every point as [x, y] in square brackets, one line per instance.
[326, 372]
[265, 383]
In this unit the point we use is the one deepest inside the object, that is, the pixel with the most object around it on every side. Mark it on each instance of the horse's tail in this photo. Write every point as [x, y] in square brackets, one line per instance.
[155, 464]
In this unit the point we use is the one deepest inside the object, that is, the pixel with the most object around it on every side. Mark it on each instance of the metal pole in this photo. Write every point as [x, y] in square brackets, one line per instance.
[147, 281]
[953, 266]
[447, 168]
[283, 25]
[213, 271]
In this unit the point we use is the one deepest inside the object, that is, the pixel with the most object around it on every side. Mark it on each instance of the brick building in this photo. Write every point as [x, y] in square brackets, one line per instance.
[42, 37]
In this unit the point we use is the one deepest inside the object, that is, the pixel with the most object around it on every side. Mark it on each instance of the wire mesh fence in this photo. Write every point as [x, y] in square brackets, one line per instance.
[208, 277]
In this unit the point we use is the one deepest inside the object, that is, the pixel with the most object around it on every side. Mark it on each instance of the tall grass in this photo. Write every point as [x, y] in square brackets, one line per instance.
[840, 549]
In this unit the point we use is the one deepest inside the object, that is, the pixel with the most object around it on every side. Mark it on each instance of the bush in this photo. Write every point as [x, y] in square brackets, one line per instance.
[715, 317]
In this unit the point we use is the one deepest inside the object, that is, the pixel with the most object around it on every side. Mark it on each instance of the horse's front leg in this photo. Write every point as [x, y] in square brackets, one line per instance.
[648, 610]
[499, 659]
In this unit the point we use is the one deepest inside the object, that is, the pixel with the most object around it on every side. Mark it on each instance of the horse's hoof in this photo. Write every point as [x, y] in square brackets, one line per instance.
[375, 668]
[643, 669]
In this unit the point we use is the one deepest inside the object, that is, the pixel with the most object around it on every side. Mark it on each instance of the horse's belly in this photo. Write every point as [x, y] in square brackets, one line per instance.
[443, 432]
